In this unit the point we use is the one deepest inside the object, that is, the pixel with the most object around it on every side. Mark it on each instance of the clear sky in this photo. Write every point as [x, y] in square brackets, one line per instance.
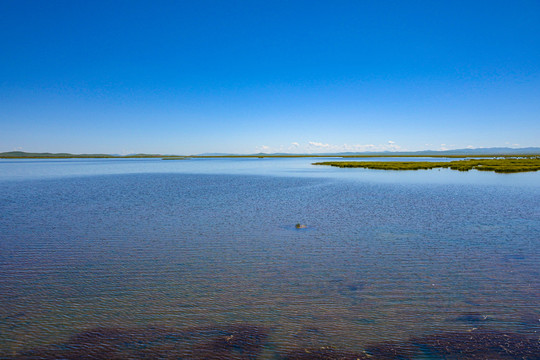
[189, 77]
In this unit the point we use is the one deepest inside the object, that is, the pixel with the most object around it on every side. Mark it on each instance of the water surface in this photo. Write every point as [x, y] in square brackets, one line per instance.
[211, 244]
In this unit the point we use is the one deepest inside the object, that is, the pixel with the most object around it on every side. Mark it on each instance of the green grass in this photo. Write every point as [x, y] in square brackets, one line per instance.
[500, 165]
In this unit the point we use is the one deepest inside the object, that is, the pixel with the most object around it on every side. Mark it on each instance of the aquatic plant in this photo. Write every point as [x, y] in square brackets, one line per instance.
[499, 165]
[232, 342]
[247, 342]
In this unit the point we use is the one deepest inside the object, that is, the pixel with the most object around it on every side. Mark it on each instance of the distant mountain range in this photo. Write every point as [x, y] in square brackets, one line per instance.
[469, 152]
[466, 152]
[478, 151]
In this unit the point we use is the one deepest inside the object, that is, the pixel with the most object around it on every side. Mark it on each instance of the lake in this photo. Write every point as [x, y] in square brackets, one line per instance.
[200, 258]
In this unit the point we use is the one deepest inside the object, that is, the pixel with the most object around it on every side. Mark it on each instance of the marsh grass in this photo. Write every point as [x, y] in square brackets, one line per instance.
[499, 165]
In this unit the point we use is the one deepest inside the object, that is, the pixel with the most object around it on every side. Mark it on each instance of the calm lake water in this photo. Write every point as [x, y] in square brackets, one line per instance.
[200, 257]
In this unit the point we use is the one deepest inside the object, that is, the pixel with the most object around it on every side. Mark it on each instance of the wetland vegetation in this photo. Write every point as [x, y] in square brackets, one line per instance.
[499, 165]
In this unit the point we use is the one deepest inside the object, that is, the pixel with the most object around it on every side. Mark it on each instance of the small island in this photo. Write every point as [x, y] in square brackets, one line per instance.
[499, 165]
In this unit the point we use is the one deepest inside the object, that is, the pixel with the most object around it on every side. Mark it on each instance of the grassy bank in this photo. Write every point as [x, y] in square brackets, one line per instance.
[501, 165]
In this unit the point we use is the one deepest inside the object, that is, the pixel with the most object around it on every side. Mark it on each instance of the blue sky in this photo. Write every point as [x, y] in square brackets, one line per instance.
[189, 77]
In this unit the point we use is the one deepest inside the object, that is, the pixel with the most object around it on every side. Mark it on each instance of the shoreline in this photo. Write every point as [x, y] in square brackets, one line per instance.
[156, 156]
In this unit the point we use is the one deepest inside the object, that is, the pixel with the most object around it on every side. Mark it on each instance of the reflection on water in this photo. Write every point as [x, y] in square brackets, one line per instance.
[187, 264]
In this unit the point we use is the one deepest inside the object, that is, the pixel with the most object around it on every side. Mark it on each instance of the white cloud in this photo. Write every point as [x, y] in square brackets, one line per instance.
[392, 146]
[359, 147]
[314, 146]
[295, 145]
[321, 147]
[470, 147]
[263, 148]
[318, 144]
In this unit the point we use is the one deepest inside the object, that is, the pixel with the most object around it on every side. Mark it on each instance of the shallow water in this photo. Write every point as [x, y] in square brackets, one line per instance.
[209, 247]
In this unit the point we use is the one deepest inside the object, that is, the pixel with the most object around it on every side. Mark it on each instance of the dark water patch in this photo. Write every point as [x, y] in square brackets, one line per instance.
[477, 345]
[530, 321]
[514, 257]
[474, 302]
[472, 317]
[325, 353]
[353, 287]
[364, 321]
[346, 287]
[480, 345]
[249, 342]
[232, 342]
[392, 351]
